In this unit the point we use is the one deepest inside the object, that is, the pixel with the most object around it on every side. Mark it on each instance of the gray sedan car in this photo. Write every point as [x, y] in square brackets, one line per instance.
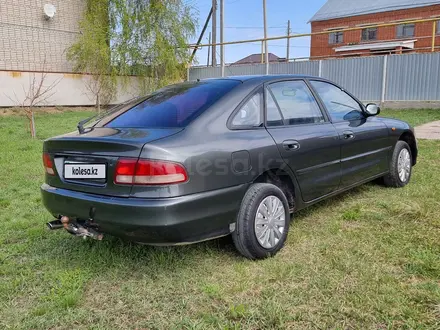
[204, 159]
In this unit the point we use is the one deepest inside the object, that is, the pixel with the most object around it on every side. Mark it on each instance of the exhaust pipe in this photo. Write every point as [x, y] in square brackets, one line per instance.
[75, 228]
[55, 224]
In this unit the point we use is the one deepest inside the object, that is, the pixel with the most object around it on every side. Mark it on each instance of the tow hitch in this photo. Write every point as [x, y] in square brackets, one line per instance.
[75, 228]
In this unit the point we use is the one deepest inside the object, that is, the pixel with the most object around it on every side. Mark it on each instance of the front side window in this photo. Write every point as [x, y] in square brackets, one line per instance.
[249, 114]
[173, 106]
[405, 30]
[369, 34]
[438, 27]
[296, 103]
[336, 38]
[340, 105]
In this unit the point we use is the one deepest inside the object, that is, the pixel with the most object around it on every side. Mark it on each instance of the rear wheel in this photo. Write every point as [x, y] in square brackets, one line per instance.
[400, 166]
[263, 222]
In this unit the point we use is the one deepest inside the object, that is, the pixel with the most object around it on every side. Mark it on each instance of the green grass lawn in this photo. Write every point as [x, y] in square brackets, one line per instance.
[414, 117]
[368, 259]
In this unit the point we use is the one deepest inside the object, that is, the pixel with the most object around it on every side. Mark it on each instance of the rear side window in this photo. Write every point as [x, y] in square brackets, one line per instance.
[273, 113]
[173, 106]
[249, 114]
[296, 103]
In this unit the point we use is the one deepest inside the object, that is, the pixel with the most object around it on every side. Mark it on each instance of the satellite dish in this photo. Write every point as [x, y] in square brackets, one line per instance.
[49, 10]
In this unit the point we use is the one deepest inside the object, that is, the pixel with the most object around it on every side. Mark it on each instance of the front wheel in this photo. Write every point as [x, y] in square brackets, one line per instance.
[400, 166]
[262, 222]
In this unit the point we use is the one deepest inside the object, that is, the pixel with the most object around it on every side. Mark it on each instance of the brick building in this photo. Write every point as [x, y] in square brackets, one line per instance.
[30, 41]
[342, 14]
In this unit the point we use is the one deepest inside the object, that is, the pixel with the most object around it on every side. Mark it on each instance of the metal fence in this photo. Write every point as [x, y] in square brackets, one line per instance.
[410, 77]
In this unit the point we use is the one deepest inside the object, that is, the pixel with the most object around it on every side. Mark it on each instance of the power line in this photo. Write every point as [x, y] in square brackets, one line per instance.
[284, 46]
[39, 28]
[271, 45]
[252, 27]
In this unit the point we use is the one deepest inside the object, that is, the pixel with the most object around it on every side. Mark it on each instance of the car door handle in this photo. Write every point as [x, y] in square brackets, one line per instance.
[291, 145]
[348, 135]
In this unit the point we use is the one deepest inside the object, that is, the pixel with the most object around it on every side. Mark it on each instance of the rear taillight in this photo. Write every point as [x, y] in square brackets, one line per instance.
[48, 164]
[149, 172]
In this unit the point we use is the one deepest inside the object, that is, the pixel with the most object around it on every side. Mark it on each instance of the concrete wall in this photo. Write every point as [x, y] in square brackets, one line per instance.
[31, 43]
[70, 89]
[28, 40]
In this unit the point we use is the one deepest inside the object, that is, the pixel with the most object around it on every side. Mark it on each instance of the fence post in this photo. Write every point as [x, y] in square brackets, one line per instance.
[384, 79]
[267, 58]
[320, 69]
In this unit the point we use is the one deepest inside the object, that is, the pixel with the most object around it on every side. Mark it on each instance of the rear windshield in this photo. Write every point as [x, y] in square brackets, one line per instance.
[172, 106]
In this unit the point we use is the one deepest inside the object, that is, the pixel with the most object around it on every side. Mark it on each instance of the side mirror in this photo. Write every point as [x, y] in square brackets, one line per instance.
[372, 109]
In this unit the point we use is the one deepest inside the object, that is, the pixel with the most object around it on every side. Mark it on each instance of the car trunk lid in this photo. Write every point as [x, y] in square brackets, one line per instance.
[98, 147]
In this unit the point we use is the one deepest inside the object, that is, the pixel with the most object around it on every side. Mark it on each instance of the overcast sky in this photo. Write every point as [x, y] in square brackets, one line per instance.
[244, 20]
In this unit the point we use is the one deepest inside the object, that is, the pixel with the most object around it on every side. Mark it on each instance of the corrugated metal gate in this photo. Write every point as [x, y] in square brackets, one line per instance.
[411, 77]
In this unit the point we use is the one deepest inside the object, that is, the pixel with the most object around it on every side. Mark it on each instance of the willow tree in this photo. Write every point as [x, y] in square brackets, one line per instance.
[143, 38]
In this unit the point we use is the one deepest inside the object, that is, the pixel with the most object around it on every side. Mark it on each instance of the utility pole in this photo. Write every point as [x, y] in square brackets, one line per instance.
[265, 38]
[288, 41]
[214, 32]
[201, 36]
[209, 49]
[222, 47]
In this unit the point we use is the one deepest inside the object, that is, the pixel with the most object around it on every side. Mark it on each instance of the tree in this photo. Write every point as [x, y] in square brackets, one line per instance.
[91, 53]
[101, 89]
[144, 38]
[38, 92]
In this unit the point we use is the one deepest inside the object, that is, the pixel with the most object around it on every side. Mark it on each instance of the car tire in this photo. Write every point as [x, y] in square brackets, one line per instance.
[400, 166]
[264, 212]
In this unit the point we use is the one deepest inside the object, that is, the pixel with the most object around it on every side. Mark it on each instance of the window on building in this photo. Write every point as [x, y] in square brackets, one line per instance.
[405, 30]
[336, 38]
[369, 34]
[438, 27]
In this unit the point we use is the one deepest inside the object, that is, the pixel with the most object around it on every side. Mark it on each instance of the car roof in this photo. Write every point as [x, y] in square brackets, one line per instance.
[261, 78]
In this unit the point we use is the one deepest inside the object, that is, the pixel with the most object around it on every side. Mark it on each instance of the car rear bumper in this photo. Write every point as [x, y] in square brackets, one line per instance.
[183, 219]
